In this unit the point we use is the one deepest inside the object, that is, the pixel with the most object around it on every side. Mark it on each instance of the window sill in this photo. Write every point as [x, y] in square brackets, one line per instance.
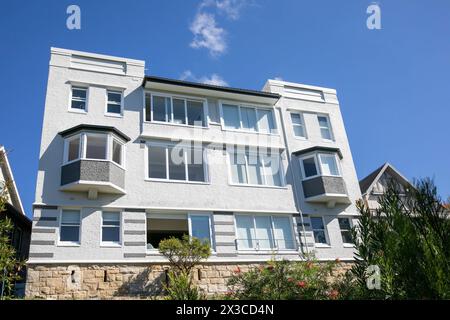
[266, 251]
[176, 181]
[110, 245]
[68, 244]
[113, 115]
[79, 111]
[349, 245]
[251, 132]
[257, 186]
[176, 124]
[322, 245]
[300, 138]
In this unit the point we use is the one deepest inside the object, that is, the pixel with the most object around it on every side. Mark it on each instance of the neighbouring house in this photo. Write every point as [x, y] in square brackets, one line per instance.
[128, 159]
[375, 184]
[21, 233]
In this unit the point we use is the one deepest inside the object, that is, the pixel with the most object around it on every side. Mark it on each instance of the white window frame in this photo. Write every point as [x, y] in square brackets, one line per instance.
[330, 128]
[69, 243]
[325, 230]
[83, 146]
[169, 113]
[111, 243]
[252, 106]
[302, 124]
[272, 227]
[112, 114]
[350, 220]
[82, 111]
[318, 162]
[186, 147]
[246, 155]
[211, 229]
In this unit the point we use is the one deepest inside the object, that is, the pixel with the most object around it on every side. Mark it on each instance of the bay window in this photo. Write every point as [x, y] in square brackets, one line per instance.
[255, 169]
[178, 163]
[93, 146]
[324, 164]
[248, 118]
[264, 232]
[172, 109]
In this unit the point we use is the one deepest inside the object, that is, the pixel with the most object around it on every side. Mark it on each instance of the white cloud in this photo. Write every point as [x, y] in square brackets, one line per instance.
[231, 8]
[207, 34]
[214, 79]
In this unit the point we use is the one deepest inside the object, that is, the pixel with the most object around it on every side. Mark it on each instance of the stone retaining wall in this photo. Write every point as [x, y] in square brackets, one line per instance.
[109, 281]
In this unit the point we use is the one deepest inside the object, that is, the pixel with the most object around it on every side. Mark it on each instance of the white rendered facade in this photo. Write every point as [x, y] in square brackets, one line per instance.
[105, 172]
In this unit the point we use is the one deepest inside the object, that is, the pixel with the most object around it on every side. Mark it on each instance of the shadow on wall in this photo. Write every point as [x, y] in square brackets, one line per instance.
[143, 284]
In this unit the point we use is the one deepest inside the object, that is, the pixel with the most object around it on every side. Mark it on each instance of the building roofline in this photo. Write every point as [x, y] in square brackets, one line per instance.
[14, 193]
[318, 148]
[209, 87]
[92, 127]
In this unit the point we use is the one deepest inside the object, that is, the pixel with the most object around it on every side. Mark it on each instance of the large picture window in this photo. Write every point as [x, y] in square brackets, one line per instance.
[264, 232]
[255, 169]
[248, 118]
[178, 163]
[177, 110]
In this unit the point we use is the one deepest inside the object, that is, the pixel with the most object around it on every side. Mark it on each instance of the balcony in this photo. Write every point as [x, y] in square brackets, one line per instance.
[93, 176]
[325, 189]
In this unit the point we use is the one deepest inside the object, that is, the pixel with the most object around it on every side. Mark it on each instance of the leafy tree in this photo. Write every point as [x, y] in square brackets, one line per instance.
[408, 238]
[10, 266]
[183, 256]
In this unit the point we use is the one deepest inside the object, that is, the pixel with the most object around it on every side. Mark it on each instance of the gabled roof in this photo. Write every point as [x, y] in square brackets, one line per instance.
[12, 188]
[366, 184]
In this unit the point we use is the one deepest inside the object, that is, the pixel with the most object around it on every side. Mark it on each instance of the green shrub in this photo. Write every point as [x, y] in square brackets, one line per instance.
[183, 256]
[284, 280]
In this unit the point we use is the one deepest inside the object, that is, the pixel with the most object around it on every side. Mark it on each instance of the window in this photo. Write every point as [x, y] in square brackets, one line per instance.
[174, 110]
[325, 127]
[179, 163]
[117, 152]
[298, 125]
[96, 146]
[73, 152]
[231, 116]
[328, 165]
[255, 169]
[319, 230]
[247, 118]
[345, 226]
[309, 167]
[325, 164]
[111, 227]
[200, 227]
[163, 226]
[264, 232]
[70, 226]
[114, 103]
[78, 99]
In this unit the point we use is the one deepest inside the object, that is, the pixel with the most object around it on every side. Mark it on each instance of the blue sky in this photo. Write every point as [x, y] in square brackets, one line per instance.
[392, 83]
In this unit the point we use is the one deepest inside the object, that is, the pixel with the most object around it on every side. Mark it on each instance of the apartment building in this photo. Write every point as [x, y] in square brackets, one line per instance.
[128, 159]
